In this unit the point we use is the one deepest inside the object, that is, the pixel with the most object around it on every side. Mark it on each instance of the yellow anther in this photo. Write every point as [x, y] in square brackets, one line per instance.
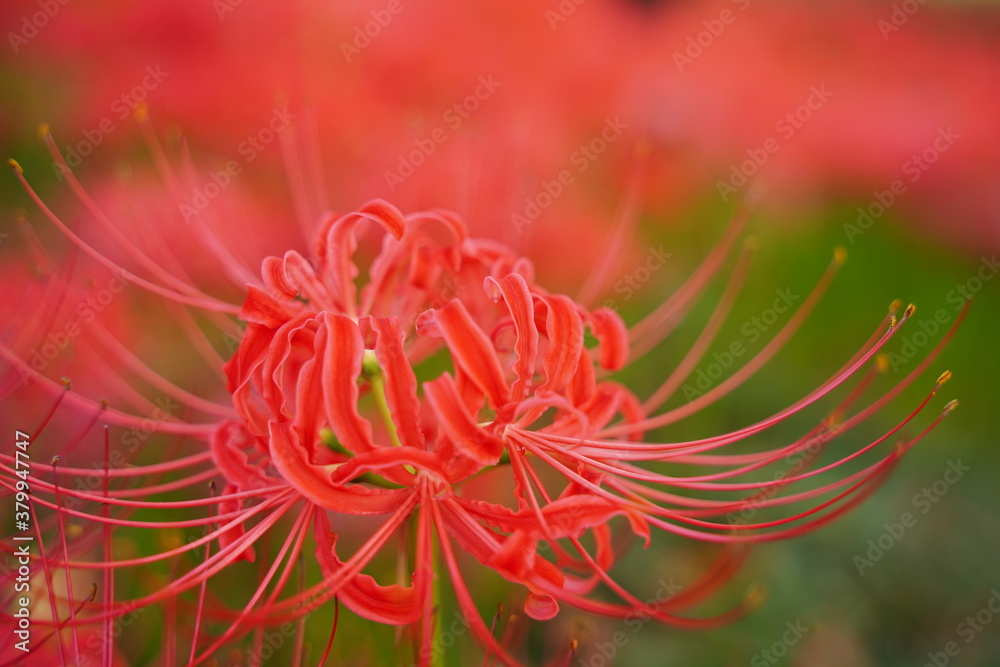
[882, 363]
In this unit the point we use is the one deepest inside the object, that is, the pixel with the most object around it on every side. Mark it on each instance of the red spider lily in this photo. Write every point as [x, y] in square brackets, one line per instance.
[337, 411]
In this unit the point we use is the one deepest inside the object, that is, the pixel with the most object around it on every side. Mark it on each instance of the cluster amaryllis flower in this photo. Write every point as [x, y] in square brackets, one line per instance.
[444, 401]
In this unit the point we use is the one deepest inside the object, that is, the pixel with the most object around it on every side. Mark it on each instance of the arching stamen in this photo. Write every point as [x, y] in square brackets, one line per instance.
[705, 338]
[65, 552]
[333, 632]
[622, 229]
[201, 593]
[465, 601]
[123, 241]
[304, 212]
[108, 555]
[208, 303]
[57, 625]
[236, 627]
[659, 323]
[67, 387]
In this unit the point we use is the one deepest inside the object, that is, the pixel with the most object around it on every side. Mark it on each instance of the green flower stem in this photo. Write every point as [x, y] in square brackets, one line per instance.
[378, 391]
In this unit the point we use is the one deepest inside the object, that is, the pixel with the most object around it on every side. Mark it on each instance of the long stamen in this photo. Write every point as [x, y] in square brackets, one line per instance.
[708, 334]
[110, 228]
[48, 585]
[621, 230]
[107, 554]
[201, 594]
[659, 323]
[65, 552]
[208, 303]
[333, 632]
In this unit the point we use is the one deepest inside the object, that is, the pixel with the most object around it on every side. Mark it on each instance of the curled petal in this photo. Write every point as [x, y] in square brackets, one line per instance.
[393, 604]
[400, 381]
[300, 273]
[389, 459]
[262, 308]
[612, 338]
[516, 556]
[337, 243]
[584, 383]
[564, 329]
[314, 483]
[341, 367]
[541, 607]
[233, 462]
[472, 350]
[458, 425]
[517, 296]
[296, 334]
[276, 278]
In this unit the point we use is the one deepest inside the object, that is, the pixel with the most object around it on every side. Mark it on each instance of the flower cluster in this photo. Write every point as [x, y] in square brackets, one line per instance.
[438, 393]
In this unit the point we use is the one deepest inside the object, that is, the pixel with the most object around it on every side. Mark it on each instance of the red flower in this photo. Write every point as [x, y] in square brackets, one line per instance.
[341, 410]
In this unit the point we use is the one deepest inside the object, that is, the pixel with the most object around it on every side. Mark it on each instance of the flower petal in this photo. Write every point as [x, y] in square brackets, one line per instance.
[564, 329]
[341, 367]
[393, 604]
[337, 243]
[458, 425]
[541, 607]
[517, 296]
[262, 308]
[313, 481]
[472, 350]
[612, 338]
[400, 381]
